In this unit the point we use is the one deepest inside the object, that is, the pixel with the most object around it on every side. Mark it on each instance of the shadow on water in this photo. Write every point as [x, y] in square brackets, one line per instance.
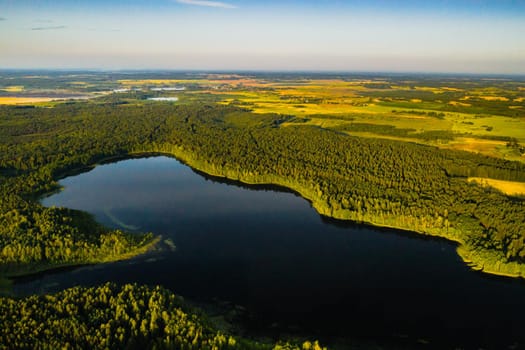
[243, 185]
[349, 224]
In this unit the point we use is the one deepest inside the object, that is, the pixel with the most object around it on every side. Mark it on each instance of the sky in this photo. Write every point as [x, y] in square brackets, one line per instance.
[448, 36]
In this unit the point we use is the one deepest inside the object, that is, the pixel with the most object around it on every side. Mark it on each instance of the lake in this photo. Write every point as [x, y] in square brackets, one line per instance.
[266, 253]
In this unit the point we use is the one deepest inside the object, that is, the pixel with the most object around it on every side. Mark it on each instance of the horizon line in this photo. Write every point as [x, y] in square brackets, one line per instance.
[262, 70]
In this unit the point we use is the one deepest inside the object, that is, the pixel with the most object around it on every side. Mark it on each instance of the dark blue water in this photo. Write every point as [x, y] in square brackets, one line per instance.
[293, 271]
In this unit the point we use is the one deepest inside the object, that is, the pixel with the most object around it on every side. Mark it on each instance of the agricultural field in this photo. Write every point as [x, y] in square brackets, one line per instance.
[23, 100]
[475, 114]
[472, 114]
[478, 116]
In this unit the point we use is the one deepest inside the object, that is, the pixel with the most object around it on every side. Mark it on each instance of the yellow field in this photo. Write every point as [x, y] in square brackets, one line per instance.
[23, 100]
[437, 90]
[494, 98]
[511, 188]
[14, 88]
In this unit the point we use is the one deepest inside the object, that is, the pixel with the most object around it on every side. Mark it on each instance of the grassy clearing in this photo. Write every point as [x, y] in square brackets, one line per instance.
[399, 121]
[511, 188]
[372, 135]
[490, 126]
[321, 122]
[486, 147]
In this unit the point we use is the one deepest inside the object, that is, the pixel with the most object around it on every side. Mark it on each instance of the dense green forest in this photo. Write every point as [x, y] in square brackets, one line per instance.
[111, 317]
[383, 182]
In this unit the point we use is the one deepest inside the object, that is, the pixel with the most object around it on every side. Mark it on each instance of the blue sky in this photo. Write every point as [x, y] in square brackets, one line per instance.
[474, 36]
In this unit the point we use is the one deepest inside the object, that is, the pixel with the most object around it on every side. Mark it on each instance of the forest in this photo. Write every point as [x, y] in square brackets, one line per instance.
[383, 182]
[379, 181]
[111, 317]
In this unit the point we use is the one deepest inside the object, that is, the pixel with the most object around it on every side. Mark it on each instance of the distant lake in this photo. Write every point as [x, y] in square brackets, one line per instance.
[292, 271]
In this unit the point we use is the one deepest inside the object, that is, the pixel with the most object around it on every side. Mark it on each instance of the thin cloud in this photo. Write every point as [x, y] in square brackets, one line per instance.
[207, 3]
[49, 28]
[3, 19]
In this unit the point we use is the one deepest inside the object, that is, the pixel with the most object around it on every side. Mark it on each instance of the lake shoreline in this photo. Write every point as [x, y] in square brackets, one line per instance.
[489, 262]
